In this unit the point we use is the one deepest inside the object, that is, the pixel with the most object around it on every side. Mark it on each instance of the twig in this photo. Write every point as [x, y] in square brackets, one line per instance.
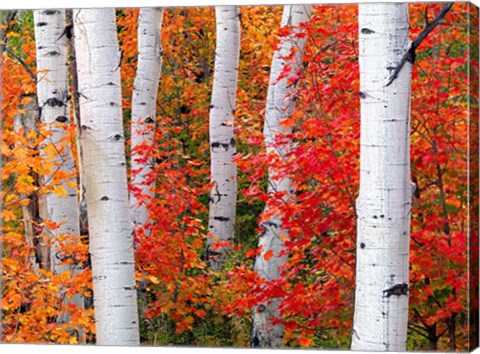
[20, 60]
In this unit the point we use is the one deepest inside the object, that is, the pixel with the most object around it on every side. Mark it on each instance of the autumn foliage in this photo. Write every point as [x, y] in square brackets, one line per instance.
[187, 303]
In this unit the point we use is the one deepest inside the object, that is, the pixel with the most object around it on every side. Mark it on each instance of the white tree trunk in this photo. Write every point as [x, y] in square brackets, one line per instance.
[144, 100]
[102, 142]
[384, 202]
[72, 62]
[223, 196]
[53, 100]
[280, 105]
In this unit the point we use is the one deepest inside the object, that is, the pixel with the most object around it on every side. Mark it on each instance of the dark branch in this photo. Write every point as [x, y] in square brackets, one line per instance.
[419, 332]
[410, 53]
[432, 25]
[20, 60]
[320, 51]
[427, 22]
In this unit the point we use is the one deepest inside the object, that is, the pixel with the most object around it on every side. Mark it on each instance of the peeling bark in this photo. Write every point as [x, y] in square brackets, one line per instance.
[223, 196]
[385, 198]
[104, 162]
[280, 105]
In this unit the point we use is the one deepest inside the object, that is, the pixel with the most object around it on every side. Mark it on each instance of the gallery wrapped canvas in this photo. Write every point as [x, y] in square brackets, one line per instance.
[295, 176]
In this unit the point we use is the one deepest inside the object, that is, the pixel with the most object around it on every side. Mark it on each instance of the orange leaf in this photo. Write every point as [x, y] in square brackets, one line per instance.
[268, 255]
[305, 342]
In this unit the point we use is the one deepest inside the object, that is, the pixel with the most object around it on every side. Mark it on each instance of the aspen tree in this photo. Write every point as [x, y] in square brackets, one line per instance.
[144, 100]
[385, 198]
[280, 105]
[223, 196]
[104, 162]
[61, 205]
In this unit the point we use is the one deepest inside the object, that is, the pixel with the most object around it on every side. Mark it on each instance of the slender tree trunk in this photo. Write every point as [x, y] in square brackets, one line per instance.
[144, 100]
[83, 218]
[384, 202]
[452, 326]
[27, 122]
[432, 337]
[83, 213]
[144, 103]
[280, 105]
[223, 196]
[82, 204]
[51, 43]
[102, 142]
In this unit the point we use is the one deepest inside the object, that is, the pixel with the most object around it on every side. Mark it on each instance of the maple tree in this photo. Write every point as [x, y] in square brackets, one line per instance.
[186, 301]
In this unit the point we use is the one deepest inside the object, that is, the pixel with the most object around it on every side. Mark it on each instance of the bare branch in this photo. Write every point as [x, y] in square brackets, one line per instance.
[410, 53]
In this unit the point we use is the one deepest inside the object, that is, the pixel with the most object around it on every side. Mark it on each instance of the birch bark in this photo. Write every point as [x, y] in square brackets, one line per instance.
[280, 105]
[53, 101]
[384, 202]
[223, 196]
[102, 142]
[144, 100]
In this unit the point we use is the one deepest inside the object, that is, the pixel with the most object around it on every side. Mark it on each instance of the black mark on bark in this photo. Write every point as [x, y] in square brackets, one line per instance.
[61, 119]
[397, 290]
[117, 137]
[216, 145]
[50, 12]
[221, 218]
[54, 102]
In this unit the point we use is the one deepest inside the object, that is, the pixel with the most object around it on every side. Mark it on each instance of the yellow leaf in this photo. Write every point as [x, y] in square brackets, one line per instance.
[60, 191]
[153, 279]
[72, 185]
